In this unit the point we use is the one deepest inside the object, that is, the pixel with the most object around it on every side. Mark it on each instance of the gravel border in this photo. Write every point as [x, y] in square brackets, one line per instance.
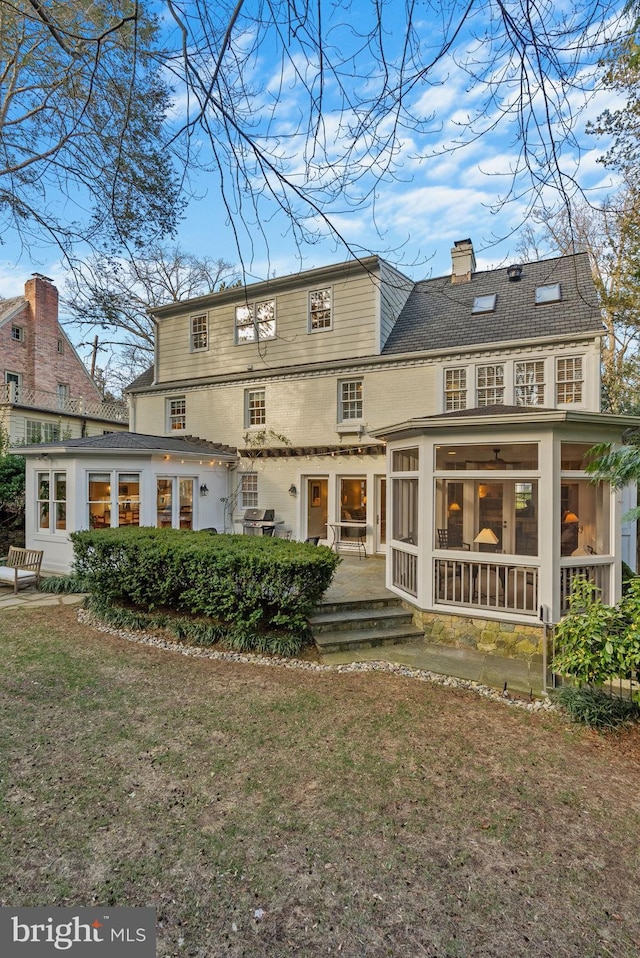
[448, 681]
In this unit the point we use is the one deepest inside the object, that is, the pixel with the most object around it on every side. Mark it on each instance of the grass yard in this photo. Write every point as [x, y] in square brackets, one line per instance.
[353, 814]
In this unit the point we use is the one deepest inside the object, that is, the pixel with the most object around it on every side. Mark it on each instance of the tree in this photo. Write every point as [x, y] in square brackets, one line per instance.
[610, 233]
[82, 111]
[300, 107]
[112, 297]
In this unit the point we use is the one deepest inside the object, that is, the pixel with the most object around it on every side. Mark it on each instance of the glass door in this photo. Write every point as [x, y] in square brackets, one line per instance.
[317, 509]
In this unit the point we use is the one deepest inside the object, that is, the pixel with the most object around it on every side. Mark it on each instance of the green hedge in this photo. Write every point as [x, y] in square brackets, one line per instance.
[252, 583]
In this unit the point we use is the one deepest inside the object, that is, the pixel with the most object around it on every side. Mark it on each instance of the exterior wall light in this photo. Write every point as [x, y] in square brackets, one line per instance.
[204, 489]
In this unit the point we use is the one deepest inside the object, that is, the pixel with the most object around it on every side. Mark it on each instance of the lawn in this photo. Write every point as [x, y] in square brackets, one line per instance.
[272, 812]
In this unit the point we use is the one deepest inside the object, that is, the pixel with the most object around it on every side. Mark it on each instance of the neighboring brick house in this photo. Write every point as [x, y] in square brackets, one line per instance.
[45, 388]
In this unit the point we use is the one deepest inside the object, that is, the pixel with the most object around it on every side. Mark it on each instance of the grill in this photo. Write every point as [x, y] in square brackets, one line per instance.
[257, 522]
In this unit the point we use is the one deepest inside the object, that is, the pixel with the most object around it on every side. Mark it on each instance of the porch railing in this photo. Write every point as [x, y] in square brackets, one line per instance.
[12, 394]
[595, 570]
[486, 584]
[404, 571]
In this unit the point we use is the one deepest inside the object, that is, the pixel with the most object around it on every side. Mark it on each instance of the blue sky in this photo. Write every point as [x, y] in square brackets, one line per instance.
[437, 196]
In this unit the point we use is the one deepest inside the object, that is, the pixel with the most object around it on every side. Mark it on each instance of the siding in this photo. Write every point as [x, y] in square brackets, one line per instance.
[354, 333]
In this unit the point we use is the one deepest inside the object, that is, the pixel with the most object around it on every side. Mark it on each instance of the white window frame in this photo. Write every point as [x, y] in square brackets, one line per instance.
[455, 388]
[60, 347]
[350, 400]
[318, 320]
[249, 490]
[199, 333]
[532, 369]
[176, 414]
[569, 379]
[250, 324]
[17, 333]
[56, 505]
[37, 430]
[490, 384]
[255, 408]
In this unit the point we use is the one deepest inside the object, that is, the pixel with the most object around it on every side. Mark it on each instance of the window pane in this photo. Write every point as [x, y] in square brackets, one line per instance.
[351, 399]
[43, 500]
[584, 518]
[529, 378]
[575, 456]
[320, 308]
[129, 499]
[405, 510]
[164, 503]
[405, 460]
[455, 389]
[186, 503]
[99, 500]
[520, 455]
[249, 491]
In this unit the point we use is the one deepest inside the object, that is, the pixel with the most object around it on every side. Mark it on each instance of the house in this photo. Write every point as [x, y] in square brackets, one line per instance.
[444, 424]
[45, 390]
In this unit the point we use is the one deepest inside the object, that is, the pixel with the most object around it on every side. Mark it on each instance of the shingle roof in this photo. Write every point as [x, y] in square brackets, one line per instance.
[144, 379]
[133, 441]
[437, 314]
[11, 307]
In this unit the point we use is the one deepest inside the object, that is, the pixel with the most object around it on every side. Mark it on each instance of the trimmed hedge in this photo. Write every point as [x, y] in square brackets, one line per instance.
[254, 584]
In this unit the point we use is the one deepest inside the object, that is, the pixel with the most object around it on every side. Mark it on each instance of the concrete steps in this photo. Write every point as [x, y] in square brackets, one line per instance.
[364, 624]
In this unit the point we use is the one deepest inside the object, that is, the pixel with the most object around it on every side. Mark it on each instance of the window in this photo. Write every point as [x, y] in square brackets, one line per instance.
[60, 346]
[548, 294]
[529, 380]
[249, 490]
[406, 460]
[484, 304]
[52, 501]
[62, 392]
[455, 388]
[490, 385]
[177, 413]
[14, 382]
[42, 431]
[129, 499]
[569, 379]
[199, 333]
[99, 500]
[320, 309]
[17, 334]
[350, 400]
[255, 321]
[255, 407]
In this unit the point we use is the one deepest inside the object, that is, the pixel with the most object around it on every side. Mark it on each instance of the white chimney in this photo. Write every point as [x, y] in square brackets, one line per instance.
[463, 261]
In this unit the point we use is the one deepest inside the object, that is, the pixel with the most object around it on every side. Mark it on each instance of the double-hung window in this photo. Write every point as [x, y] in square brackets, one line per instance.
[569, 379]
[529, 383]
[255, 407]
[52, 501]
[320, 309]
[349, 400]
[255, 321]
[249, 490]
[490, 385]
[455, 388]
[177, 413]
[199, 333]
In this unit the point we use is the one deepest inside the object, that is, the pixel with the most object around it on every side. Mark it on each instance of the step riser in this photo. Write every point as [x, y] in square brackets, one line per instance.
[353, 644]
[356, 605]
[354, 625]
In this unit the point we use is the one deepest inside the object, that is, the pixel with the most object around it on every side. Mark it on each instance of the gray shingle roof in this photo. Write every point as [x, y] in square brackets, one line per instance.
[11, 307]
[133, 441]
[437, 314]
[144, 379]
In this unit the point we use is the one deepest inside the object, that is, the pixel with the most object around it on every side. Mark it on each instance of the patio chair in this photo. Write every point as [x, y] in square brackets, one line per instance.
[313, 540]
[443, 538]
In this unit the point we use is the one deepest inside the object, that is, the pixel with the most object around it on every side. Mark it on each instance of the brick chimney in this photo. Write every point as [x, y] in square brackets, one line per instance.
[42, 297]
[463, 261]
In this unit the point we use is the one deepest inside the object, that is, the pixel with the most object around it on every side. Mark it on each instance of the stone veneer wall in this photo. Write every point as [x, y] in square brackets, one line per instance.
[483, 635]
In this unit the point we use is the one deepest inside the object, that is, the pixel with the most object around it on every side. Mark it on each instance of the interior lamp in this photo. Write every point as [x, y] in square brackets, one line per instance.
[455, 507]
[487, 537]
[570, 517]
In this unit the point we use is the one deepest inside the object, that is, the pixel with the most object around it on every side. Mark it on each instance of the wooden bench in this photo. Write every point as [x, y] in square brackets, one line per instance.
[21, 567]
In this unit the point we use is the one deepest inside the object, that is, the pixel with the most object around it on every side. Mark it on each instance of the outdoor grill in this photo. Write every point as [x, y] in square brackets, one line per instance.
[256, 522]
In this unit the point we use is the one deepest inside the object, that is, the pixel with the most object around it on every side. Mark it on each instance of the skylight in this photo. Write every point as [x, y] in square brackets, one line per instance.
[484, 304]
[548, 294]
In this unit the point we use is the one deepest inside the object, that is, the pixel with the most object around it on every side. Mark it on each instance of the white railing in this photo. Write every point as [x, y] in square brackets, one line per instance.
[404, 571]
[10, 393]
[476, 583]
[596, 570]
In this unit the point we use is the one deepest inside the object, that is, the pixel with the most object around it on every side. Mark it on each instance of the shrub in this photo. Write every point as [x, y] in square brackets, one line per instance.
[590, 639]
[255, 586]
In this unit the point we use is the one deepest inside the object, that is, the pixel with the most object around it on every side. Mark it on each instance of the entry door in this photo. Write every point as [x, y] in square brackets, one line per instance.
[381, 514]
[317, 508]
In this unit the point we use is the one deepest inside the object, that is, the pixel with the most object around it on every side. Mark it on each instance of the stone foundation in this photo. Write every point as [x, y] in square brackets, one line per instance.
[482, 635]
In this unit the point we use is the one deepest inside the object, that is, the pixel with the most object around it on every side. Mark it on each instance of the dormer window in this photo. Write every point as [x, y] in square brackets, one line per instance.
[548, 294]
[484, 304]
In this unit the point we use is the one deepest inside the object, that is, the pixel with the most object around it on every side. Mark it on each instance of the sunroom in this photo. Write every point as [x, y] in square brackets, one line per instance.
[492, 513]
